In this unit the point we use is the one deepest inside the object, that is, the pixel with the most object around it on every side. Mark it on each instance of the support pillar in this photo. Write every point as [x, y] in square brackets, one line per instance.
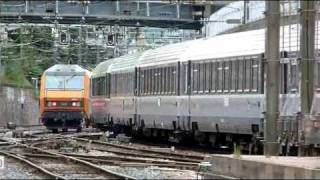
[271, 147]
[307, 40]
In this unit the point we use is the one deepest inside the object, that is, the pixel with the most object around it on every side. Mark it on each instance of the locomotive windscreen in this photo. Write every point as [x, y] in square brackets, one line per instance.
[64, 82]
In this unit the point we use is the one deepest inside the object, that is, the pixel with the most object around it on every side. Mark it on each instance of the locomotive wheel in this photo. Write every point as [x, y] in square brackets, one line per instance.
[54, 130]
[64, 129]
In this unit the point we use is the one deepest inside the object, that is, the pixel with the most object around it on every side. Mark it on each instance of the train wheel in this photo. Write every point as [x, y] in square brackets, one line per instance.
[54, 130]
[65, 130]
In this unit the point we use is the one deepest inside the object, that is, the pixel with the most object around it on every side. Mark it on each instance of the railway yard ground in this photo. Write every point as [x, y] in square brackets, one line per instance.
[36, 153]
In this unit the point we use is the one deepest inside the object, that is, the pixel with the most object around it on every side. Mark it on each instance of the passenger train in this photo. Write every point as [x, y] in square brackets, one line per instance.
[64, 97]
[210, 90]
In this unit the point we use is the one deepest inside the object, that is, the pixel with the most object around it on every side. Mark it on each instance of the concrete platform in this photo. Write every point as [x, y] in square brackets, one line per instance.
[261, 167]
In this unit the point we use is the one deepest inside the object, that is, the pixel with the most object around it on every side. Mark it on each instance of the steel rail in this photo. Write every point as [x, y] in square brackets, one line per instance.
[196, 158]
[50, 174]
[88, 164]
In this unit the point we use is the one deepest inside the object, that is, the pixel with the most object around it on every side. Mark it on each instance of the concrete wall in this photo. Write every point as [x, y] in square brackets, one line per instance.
[249, 169]
[19, 106]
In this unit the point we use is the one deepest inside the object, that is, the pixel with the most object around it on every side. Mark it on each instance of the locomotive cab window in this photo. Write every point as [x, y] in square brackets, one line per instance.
[64, 82]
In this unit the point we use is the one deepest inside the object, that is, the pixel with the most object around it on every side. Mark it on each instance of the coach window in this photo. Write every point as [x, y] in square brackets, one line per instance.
[172, 74]
[195, 72]
[226, 74]
[169, 81]
[120, 84]
[103, 86]
[127, 84]
[183, 78]
[157, 77]
[213, 77]
[159, 81]
[207, 78]
[248, 75]
[149, 82]
[174, 80]
[164, 77]
[107, 86]
[145, 85]
[113, 84]
[255, 75]
[163, 80]
[220, 76]
[147, 79]
[240, 75]
[201, 78]
[130, 82]
[154, 81]
[117, 84]
[117, 90]
[142, 82]
[234, 74]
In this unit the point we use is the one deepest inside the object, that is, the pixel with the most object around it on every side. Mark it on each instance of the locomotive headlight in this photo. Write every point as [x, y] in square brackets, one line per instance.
[54, 103]
[78, 104]
[49, 104]
[74, 104]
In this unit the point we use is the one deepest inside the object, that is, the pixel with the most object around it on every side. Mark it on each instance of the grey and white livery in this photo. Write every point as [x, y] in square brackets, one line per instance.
[211, 90]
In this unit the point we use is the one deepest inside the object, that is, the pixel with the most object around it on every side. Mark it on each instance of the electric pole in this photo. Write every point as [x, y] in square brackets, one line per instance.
[272, 82]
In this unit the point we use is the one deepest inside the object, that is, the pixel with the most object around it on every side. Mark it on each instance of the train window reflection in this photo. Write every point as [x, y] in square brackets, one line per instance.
[74, 82]
[55, 82]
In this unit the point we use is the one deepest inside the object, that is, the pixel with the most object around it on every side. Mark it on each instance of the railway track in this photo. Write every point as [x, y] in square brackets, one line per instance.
[37, 171]
[60, 166]
[139, 152]
[121, 155]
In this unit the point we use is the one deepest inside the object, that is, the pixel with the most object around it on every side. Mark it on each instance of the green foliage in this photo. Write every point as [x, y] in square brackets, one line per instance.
[28, 52]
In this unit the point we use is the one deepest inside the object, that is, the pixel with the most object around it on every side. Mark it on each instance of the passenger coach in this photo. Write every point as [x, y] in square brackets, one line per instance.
[208, 90]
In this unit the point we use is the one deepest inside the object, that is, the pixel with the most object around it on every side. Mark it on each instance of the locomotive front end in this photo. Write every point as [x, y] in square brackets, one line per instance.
[64, 98]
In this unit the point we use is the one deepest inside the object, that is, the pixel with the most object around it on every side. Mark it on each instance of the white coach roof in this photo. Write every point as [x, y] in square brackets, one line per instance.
[222, 46]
